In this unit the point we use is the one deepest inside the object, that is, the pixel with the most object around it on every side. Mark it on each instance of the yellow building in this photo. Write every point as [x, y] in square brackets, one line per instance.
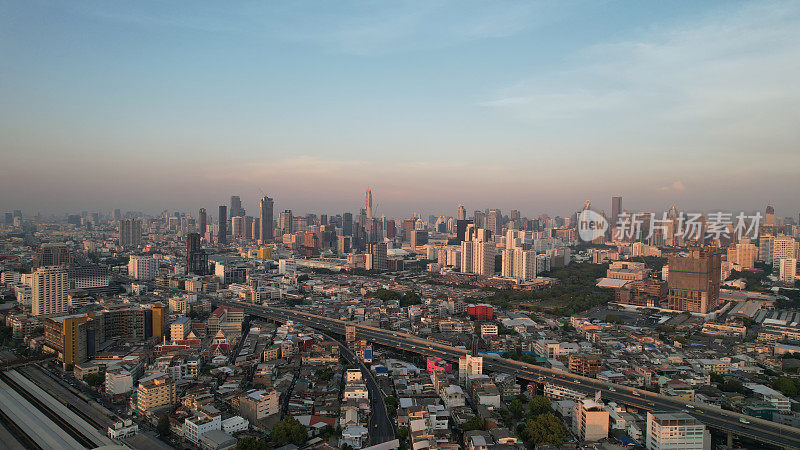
[73, 338]
[264, 253]
[155, 392]
[159, 320]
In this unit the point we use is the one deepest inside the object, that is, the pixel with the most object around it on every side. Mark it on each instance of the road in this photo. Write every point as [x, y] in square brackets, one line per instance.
[761, 430]
[381, 428]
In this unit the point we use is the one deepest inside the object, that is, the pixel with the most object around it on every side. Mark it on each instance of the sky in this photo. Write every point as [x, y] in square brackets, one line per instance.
[536, 106]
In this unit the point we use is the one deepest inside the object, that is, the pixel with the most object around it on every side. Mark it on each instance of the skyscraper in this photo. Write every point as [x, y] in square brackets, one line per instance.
[196, 257]
[495, 222]
[347, 224]
[286, 221]
[202, 219]
[52, 254]
[49, 291]
[236, 206]
[222, 229]
[462, 213]
[130, 232]
[616, 209]
[267, 234]
[694, 280]
[368, 203]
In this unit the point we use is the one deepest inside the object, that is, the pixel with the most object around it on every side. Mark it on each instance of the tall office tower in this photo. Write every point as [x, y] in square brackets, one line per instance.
[408, 228]
[9, 218]
[616, 209]
[368, 203]
[419, 238]
[267, 232]
[202, 221]
[514, 215]
[116, 215]
[130, 232]
[467, 256]
[676, 430]
[461, 229]
[196, 257]
[323, 219]
[222, 228]
[374, 230]
[347, 224]
[236, 206]
[769, 216]
[483, 258]
[479, 219]
[462, 213]
[142, 267]
[49, 291]
[743, 254]
[391, 230]
[52, 254]
[248, 227]
[495, 221]
[694, 280]
[237, 227]
[343, 247]
[524, 264]
[783, 247]
[376, 256]
[286, 221]
[256, 229]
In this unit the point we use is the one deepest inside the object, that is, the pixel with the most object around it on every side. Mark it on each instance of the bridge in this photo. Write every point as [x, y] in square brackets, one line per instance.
[728, 421]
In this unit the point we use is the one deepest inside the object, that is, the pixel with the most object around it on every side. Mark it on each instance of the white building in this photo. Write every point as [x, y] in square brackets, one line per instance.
[469, 365]
[204, 422]
[118, 381]
[676, 431]
[120, 430]
[489, 329]
[142, 267]
[235, 424]
[788, 270]
[49, 291]
[287, 266]
[356, 391]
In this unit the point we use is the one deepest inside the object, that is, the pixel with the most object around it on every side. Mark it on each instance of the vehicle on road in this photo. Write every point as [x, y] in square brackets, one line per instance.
[743, 420]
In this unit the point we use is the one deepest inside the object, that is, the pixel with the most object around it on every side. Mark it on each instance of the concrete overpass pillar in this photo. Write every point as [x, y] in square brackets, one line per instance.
[730, 440]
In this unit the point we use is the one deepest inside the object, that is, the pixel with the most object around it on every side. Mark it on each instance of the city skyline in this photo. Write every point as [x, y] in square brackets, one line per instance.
[430, 104]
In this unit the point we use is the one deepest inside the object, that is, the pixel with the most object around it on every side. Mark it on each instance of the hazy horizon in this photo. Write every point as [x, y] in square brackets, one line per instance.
[535, 106]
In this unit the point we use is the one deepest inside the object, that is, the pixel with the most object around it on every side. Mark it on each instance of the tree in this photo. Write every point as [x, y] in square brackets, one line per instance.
[545, 429]
[94, 379]
[517, 409]
[324, 374]
[475, 423]
[786, 385]
[288, 431]
[539, 405]
[251, 443]
[391, 404]
[613, 318]
[163, 425]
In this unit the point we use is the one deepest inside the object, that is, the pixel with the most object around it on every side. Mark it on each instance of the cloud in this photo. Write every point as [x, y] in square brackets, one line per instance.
[726, 82]
[675, 186]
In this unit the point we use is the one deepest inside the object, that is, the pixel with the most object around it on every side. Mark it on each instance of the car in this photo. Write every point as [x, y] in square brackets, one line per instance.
[636, 393]
[743, 420]
[690, 406]
[612, 389]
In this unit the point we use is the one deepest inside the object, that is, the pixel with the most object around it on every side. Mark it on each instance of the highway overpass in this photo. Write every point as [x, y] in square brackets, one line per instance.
[731, 422]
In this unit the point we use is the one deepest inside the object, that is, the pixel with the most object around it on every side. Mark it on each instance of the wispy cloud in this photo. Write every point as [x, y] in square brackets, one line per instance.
[725, 82]
[674, 186]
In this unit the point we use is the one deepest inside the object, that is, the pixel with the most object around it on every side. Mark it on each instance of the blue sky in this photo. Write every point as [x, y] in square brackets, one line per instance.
[530, 105]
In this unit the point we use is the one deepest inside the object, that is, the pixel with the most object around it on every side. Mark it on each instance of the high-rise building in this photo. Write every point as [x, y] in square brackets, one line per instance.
[130, 233]
[408, 228]
[787, 270]
[49, 291]
[196, 257]
[237, 227]
[256, 229]
[202, 221]
[462, 213]
[483, 257]
[694, 280]
[236, 206]
[616, 209]
[248, 227]
[222, 228]
[142, 267]
[368, 203]
[52, 254]
[479, 219]
[495, 221]
[461, 229]
[524, 264]
[467, 256]
[267, 232]
[783, 247]
[347, 224]
[676, 430]
[376, 256]
[344, 245]
[154, 392]
[286, 221]
[743, 254]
